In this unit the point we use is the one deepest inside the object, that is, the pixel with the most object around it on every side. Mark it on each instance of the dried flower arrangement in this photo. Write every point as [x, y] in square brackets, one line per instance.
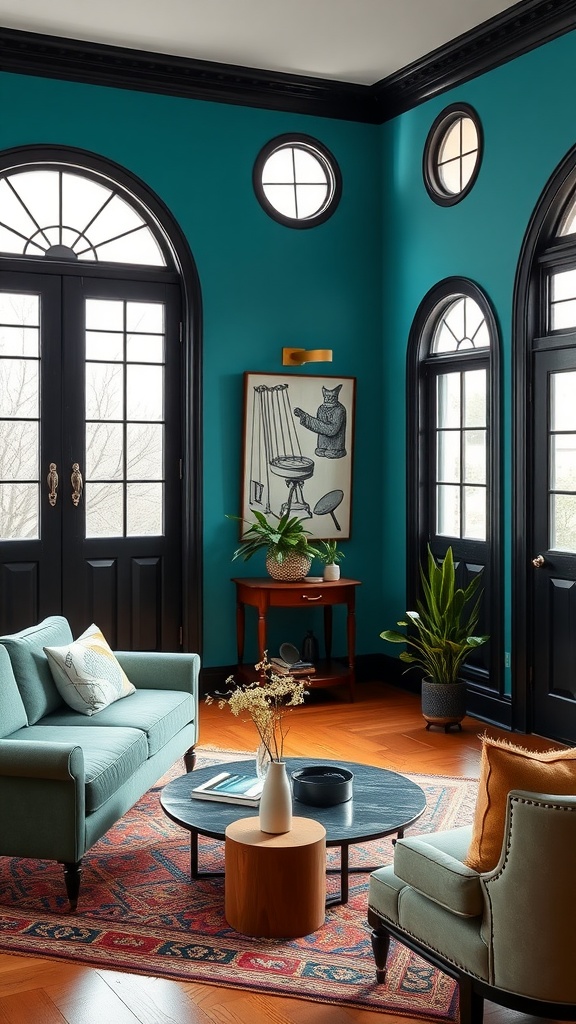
[267, 703]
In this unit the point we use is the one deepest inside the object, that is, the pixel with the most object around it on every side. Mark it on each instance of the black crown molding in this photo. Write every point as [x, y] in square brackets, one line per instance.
[521, 28]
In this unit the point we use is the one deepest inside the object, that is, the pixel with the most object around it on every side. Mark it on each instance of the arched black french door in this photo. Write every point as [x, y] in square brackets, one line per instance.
[544, 359]
[99, 371]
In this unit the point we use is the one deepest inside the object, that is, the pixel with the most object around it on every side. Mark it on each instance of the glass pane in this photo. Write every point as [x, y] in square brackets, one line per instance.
[104, 397]
[145, 443]
[475, 457]
[562, 401]
[475, 398]
[448, 390]
[145, 317]
[448, 469]
[475, 513]
[104, 451]
[19, 388]
[114, 219]
[19, 341]
[145, 348]
[450, 176]
[18, 450]
[468, 168]
[19, 511]
[448, 510]
[279, 168]
[144, 508]
[144, 392]
[18, 310]
[39, 190]
[13, 214]
[310, 199]
[104, 510]
[11, 242]
[450, 147]
[308, 167]
[563, 462]
[563, 285]
[139, 247]
[563, 315]
[82, 198]
[563, 522]
[104, 315]
[568, 222]
[282, 198]
[469, 135]
[104, 345]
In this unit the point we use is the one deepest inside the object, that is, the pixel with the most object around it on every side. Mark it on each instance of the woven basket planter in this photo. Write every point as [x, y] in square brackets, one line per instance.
[294, 567]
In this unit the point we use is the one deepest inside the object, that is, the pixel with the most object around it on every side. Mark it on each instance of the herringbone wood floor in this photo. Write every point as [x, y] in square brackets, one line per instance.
[383, 727]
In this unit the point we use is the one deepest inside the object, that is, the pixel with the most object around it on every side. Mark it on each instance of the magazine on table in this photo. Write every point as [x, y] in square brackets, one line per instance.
[231, 788]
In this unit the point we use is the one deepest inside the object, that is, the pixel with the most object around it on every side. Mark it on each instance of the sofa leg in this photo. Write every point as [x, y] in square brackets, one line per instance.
[190, 759]
[72, 873]
[380, 947]
[471, 1004]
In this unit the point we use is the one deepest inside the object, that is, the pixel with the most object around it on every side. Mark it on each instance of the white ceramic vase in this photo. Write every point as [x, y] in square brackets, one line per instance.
[275, 812]
[331, 572]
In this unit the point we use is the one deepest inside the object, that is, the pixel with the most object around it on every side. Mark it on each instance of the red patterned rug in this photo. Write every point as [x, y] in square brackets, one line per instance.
[140, 912]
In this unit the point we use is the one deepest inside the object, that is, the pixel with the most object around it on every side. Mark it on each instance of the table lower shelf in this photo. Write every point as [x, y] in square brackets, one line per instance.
[328, 673]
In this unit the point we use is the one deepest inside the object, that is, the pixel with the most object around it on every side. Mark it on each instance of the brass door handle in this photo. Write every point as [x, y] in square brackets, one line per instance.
[77, 483]
[52, 481]
[539, 561]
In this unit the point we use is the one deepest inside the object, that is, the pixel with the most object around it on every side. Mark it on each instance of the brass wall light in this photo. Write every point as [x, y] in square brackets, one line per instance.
[298, 356]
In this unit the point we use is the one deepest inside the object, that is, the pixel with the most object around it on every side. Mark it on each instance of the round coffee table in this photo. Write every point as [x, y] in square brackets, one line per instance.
[384, 803]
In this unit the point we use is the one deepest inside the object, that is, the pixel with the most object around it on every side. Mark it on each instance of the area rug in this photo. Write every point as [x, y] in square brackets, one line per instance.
[139, 911]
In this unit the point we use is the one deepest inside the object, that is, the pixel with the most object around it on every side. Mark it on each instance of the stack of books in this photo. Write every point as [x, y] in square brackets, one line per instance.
[230, 788]
[298, 668]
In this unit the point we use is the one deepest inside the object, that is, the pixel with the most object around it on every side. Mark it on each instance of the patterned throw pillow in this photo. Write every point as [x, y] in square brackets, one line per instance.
[87, 674]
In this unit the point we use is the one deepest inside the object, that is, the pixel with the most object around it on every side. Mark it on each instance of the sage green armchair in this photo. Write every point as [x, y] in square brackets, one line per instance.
[506, 935]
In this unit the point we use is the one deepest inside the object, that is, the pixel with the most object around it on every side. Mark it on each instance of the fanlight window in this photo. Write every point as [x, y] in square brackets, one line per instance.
[462, 326]
[568, 221]
[68, 216]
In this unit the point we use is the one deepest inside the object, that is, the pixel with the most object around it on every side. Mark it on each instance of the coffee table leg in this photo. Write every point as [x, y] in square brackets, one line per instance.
[336, 901]
[194, 855]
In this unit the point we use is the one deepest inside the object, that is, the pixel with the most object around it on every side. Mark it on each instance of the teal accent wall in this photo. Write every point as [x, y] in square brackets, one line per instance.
[527, 116]
[352, 284]
[263, 285]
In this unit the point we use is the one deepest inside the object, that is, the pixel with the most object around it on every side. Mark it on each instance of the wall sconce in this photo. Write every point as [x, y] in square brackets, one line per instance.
[298, 356]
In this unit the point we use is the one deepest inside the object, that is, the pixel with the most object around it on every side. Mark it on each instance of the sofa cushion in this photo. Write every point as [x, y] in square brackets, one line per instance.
[30, 665]
[504, 767]
[434, 865]
[160, 714]
[12, 710]
[111, 756]
[87, 674]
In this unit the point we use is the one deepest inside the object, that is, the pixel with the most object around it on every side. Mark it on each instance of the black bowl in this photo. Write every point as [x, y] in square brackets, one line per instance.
[322, 785]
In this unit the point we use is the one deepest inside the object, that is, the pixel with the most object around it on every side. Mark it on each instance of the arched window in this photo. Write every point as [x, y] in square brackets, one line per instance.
[453, 427]
[99, 328]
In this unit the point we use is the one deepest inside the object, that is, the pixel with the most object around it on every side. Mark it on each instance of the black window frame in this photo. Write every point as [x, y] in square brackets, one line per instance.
[434, 140]
[323, 155]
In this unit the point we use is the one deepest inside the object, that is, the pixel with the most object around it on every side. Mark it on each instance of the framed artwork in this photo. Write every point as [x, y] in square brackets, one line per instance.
[297, 450]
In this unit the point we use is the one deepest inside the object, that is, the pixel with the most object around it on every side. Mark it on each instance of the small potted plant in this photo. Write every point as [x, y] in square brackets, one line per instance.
[288, 551]
[329, 554]
[441, 635]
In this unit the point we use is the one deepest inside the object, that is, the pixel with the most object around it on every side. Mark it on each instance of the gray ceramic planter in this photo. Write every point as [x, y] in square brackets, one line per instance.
[443, 704]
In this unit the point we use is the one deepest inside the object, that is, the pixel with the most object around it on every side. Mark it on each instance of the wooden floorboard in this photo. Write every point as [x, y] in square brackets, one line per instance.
[382, 727]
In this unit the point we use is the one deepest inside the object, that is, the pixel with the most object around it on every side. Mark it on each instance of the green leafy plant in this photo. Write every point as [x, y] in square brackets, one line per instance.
[441, 632]
[328, 552]
[278, 537]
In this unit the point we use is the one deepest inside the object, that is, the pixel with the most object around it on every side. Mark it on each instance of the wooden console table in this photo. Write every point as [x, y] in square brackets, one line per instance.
[267, 593]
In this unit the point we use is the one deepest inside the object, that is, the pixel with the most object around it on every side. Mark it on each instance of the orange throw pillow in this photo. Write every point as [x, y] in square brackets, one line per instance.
[504, 767]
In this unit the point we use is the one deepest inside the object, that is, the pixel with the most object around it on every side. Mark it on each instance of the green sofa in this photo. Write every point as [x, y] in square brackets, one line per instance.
[66, 777]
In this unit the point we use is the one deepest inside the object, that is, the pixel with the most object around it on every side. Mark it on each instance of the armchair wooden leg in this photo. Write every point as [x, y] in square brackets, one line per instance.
[190, 759]
[380, 948]
[72, 874]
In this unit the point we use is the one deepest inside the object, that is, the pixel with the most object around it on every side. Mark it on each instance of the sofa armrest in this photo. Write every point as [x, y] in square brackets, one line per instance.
[161, 670]
[39, 759]
[434, 865]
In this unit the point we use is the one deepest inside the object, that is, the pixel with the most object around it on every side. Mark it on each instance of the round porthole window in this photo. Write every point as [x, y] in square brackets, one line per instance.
[452, 154]
[297, 181]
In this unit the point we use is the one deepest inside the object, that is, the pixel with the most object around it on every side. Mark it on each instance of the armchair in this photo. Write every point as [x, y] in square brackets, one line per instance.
[506, 935]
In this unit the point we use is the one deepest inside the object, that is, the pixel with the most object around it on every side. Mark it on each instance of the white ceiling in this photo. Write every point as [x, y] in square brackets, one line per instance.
[360, 41]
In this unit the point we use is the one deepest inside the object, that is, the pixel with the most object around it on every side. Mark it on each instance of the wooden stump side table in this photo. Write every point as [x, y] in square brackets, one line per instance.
[275, 885]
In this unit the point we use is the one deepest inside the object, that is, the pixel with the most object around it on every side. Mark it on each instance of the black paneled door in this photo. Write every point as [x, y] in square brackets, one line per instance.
[90, 449]
[553, 554]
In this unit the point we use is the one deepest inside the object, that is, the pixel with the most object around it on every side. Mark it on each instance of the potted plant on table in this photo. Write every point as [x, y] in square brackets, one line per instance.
[289, 553]
[441, 635]
[329, 554]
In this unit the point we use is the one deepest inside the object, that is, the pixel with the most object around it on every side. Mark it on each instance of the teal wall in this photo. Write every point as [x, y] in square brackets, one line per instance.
[263, 286]
[353, 284]
[527, 114]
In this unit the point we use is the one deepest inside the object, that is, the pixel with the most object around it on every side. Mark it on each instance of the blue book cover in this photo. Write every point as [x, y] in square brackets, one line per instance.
[232, 787]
